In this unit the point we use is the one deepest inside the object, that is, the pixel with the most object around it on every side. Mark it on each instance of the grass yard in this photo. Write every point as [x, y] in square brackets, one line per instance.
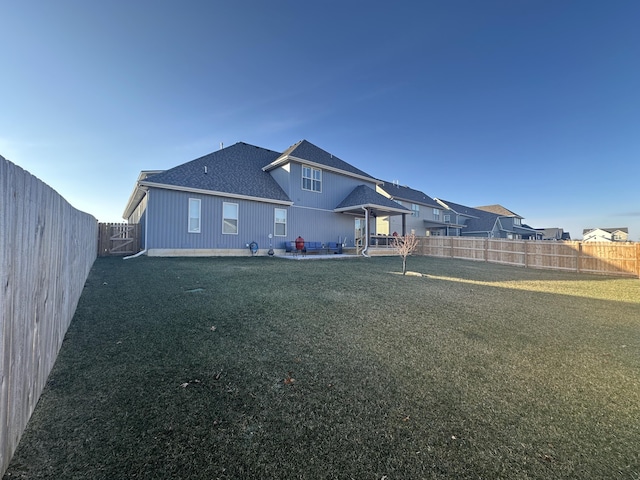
[265, 368]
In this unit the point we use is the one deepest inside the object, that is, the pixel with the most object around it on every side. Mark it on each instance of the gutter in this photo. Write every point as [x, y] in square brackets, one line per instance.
[146, 237]
[366, 232]
[142, 252]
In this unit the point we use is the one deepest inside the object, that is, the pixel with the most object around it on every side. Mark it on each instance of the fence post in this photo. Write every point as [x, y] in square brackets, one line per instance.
[526, 253]
[486, 249]
[579, 257]
[638, 259]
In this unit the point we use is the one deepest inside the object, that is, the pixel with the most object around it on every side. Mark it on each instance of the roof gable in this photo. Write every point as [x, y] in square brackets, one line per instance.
[234, 170]
[305, 151]
[609, 230]
[364, 196]
[499, 210]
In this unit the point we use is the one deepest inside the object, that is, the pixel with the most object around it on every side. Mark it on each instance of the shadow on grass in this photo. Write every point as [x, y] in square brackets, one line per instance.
[263, 368]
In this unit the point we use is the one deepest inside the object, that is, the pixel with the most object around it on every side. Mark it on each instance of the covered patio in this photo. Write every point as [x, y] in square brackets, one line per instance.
[365, 204]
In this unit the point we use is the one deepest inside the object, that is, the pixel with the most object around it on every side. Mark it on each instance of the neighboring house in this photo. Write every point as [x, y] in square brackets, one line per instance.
[493, 221]
[220, 203]
[605, 234]
[555, 233]
[512, 222]
[426, 214]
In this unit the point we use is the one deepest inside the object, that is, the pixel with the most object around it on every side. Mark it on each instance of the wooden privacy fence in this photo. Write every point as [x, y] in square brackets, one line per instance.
[118, 239]
[614, 258]
[47, 248]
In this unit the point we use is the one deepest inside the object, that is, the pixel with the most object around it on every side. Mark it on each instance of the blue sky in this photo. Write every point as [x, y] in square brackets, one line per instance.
[534, 105]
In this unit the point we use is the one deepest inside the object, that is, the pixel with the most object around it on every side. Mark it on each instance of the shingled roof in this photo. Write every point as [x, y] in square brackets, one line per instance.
[398, 192]
[235, 170]
[307, 152]
[363, 196]
[499, 210]
[479, 220]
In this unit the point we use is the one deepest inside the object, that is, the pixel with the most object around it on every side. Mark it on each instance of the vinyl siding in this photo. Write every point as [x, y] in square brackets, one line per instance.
[335, 188]
[394, 223]
[137, 214]
[318, 226]
[168, 215]
[168, 223]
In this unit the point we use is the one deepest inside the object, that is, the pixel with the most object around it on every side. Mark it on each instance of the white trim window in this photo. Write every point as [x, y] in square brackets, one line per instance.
[415, 210]
[517, 221]
[280, 220]
[229, 218]
[446, 218]
[194, 215]
[436, 214]
[311, 179]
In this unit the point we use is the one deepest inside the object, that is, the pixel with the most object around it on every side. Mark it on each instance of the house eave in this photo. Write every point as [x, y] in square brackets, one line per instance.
[215, 193]
[435, 224]
[138, 193]
[290, 158]
[358, 208]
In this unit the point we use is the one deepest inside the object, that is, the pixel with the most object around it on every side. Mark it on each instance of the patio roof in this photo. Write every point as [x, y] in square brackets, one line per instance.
[365, 197]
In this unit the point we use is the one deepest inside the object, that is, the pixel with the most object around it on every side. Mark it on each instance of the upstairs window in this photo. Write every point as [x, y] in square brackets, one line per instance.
[516, 221]
[311, 179]
[280, 222]
[194, 215]
[415, 210]
[436, 214]
[230, 218]
[446, 218]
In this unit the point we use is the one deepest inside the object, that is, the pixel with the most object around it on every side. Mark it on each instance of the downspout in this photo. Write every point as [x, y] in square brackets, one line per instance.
[146, 226]
[366, 232]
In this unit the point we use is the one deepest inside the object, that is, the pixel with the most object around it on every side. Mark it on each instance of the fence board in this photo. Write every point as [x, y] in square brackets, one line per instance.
[46, 251]
[616, 258]
[118, 239]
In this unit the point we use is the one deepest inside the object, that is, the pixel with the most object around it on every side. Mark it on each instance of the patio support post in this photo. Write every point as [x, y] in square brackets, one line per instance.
[404, 224]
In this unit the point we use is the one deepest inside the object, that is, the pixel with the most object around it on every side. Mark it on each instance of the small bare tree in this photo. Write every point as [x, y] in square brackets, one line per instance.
[405, 246]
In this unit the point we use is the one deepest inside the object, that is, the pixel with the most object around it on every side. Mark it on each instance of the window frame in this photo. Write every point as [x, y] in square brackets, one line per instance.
[436, 214]
[415, 210]
[276, 223]
[190, 228]
[312, 180]
[236, 219]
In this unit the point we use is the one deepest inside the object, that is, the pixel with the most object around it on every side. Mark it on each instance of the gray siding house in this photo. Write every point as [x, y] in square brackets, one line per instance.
[426, 218]
[492, 221]
[220, 203]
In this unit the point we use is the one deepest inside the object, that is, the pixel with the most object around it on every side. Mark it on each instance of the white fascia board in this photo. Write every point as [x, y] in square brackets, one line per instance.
[445, 205]
[276, 163]
[289, 158]
[371, 205]
[215, 193]
[138, 192]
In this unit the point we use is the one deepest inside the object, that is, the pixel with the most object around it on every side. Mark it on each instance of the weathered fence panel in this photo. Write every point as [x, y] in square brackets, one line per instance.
[118, 239]
[46, 251]
[615, 258]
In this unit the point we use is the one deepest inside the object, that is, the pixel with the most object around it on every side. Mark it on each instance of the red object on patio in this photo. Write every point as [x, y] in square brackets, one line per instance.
[299, 243]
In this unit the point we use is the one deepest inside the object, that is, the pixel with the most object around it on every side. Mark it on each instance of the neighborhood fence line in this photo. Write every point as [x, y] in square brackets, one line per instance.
[47, 248]
[605, 258]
